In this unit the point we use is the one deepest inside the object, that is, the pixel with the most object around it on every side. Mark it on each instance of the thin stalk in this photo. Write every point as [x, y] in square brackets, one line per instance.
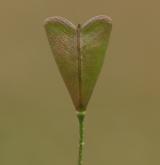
[81, 116]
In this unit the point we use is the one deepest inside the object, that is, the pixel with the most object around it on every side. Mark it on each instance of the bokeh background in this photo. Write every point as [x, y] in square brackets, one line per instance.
[38, 125]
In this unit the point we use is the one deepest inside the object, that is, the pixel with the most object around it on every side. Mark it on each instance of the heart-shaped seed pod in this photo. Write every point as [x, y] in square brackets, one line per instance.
[79, 53]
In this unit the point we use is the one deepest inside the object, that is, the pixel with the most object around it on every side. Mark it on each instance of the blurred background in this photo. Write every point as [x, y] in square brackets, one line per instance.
[38, 125]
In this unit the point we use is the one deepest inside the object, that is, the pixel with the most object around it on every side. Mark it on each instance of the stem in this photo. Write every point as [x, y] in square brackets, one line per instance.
[81, 116]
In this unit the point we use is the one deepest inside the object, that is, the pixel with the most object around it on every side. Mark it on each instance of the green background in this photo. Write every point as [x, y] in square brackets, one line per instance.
[38, 125]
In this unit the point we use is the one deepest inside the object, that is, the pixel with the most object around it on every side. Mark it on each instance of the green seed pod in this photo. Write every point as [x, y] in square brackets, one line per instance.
[79, 53]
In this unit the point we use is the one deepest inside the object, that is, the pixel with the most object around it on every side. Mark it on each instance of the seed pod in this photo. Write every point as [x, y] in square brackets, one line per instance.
[79, 53]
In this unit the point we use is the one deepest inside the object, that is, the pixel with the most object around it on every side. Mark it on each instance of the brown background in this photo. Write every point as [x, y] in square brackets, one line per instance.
[37, 119]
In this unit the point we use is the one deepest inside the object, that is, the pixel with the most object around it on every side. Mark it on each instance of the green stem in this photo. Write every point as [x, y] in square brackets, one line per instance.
[81, 116]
